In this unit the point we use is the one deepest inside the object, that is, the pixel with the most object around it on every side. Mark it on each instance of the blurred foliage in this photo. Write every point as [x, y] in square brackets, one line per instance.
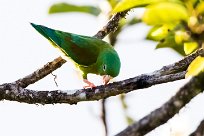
[113, 3]
[128, 4]
[66, 7]
[164, 13]
[200, 8]
[169, 41]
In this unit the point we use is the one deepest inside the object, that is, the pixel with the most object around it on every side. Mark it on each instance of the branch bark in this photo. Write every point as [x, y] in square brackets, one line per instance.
[199, 131]
[14, 92]
[111, 26]
[168, 110]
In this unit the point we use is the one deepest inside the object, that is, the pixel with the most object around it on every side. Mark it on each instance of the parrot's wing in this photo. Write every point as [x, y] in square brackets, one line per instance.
[81, 49]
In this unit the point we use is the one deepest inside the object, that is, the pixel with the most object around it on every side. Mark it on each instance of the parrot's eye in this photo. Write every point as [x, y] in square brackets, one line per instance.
[104, 67]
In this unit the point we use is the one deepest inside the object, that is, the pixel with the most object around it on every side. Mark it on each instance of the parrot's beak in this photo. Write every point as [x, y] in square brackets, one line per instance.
[106, 79]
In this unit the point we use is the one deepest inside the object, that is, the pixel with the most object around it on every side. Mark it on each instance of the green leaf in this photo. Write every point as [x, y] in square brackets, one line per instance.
[200, 8]
[196, 66]
[113, 3]
[169, 42]
[66, 7]
[189, 47]
[158, 33]
[128, 4]
[165, 13]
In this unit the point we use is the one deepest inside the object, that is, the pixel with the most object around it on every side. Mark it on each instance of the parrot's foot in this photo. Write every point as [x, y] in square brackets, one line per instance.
[106, 79]
[89, 84]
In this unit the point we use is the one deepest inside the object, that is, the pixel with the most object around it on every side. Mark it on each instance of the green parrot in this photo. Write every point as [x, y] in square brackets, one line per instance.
[89, 54]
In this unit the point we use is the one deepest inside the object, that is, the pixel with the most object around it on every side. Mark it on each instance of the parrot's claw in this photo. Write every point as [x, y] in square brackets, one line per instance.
[89, 84]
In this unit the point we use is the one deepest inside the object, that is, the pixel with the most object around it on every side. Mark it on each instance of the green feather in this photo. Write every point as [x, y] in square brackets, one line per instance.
[90, 54]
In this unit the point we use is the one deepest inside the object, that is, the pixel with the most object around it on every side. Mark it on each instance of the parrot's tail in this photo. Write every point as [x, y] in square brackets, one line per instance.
[48, 33]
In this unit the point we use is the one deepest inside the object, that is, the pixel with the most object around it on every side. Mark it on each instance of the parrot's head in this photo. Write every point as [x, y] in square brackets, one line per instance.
[109, 65]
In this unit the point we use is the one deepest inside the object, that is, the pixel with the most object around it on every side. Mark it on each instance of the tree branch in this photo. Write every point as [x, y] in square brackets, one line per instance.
[111, 26]
[40, 73]
[103, 116]
[199, 131]
[14, 92]
[163, 75]
[168, 110]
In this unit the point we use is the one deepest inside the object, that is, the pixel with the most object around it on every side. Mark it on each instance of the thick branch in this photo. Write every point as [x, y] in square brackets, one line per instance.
[199, 131]
[143, 81]
[168, 110]
[13, 92]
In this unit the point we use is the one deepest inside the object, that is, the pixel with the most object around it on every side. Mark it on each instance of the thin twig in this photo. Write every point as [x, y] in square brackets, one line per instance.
[103, 116]
[55, 77]
[168, 110]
